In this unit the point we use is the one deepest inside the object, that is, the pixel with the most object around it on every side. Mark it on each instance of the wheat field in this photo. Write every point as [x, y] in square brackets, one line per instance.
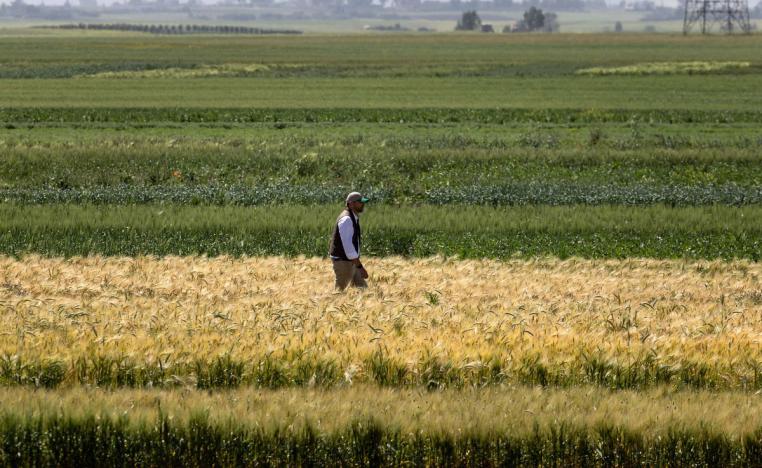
[441, 322]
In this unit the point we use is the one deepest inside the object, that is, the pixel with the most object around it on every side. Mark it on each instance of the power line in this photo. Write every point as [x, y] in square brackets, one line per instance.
[730, 15]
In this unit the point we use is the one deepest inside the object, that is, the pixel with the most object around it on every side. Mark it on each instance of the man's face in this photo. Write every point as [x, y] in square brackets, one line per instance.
[357, 206]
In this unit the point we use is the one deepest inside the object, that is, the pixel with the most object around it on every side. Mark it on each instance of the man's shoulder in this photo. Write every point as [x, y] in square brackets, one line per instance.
[342, 217]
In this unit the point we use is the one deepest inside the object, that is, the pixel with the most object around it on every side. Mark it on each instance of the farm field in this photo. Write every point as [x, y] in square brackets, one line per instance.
[713, 92]
[577, 353]
[563, 243]
[376, 426]
[68, 228]
[436, 322]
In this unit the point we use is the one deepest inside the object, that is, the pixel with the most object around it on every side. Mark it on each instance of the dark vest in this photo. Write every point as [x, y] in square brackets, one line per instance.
[336, 249]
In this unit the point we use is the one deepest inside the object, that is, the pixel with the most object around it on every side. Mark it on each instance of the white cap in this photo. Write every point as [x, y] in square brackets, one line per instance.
[356, 196]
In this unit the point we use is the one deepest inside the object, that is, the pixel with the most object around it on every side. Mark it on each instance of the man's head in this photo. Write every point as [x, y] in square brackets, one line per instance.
[356, 202]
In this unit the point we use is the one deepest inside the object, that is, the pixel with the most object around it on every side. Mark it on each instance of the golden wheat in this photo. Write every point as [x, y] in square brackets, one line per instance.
[175, 310]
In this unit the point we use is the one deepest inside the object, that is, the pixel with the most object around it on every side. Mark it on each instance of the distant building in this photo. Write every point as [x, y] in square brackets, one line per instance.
[487, 28]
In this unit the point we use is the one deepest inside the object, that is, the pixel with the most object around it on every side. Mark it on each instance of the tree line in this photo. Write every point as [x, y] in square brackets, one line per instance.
[534, 20]
[174, 28]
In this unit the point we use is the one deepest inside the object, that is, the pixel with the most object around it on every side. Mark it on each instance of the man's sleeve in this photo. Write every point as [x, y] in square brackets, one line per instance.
[346, 231]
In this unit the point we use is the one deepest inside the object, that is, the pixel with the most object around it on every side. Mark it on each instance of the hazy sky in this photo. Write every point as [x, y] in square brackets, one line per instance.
[667, 3]
[108, 2]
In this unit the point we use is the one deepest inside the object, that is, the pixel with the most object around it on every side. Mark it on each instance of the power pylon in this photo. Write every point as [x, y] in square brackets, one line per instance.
[731, 15]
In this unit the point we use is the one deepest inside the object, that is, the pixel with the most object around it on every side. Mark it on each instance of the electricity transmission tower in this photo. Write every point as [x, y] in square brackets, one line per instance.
[731, 15]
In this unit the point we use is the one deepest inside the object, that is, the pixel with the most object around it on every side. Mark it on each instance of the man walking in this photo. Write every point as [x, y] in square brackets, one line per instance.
[345, 244]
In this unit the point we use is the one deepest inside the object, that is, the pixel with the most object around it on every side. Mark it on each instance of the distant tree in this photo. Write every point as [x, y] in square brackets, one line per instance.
[470, 21]
[618, 27]
[534, 19]
[551, 23]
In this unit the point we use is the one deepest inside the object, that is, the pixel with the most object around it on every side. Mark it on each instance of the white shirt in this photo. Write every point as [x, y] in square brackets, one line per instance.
[346, 231]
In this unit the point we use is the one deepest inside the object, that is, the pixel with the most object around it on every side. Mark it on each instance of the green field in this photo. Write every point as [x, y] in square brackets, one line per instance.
[715, 93]
[161, 192]
[407, 54]
[449, 71]
[451, 230]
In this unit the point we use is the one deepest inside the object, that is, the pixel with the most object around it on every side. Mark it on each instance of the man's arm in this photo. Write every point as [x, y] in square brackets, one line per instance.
[346, 231]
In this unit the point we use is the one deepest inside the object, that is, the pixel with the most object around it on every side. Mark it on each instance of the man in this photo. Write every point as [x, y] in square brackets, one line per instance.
[345, 244]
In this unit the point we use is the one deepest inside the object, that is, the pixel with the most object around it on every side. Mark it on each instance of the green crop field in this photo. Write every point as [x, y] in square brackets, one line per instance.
[711, 92]
[64, 229]
[376, 71]
[563, 241]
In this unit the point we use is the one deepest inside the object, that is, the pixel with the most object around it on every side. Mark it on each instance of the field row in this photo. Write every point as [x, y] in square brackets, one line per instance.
[65, 54]
[421, 231]
[713, 92]
[435, 323]
[404, 166]
[436, 114]
[608, 138]
[273, 193]
[212, 68]
[368, 426]
[305, 170]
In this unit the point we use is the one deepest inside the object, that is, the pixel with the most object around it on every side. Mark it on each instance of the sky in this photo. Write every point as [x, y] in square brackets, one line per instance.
[108, 2]
[667, 3]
